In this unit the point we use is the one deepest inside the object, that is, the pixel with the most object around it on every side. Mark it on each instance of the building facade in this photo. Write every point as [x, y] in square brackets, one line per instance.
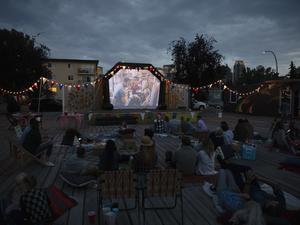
[169, 71]
[238, 70]
[72, 71]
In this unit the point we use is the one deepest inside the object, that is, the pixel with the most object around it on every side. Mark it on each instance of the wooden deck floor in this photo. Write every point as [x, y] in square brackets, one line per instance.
[198, 208]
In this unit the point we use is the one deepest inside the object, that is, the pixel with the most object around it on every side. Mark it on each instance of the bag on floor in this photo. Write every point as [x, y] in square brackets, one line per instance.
[248, 151]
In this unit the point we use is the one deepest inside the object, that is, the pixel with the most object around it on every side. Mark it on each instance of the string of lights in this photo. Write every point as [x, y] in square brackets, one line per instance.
[78, 86]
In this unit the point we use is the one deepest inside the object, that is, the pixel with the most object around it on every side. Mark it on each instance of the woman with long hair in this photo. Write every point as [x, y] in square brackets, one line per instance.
[206, 159]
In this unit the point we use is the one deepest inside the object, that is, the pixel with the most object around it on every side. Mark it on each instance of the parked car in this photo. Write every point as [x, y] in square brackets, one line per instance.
[46, 105]
[199, 105]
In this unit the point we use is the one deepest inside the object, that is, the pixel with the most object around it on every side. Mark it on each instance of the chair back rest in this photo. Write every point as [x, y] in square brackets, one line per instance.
[163, 183]
[201, 135]
[12, 120]
[118, 184]
[146, 159]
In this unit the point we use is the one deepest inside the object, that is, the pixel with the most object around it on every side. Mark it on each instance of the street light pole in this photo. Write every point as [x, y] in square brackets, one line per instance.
[264, 52]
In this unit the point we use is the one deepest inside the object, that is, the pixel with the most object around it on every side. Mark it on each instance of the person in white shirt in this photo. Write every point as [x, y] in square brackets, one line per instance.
[206, 159]
[201, 126]
[227, 133]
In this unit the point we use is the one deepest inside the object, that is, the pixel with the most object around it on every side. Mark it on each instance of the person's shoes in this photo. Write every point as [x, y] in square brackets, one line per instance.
[50, 164]
[213, 189]
[207, 189]
[217, 204]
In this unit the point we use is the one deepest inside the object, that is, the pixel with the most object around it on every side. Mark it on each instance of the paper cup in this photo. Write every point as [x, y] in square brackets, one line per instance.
[106, 210]
[92, 217]
[110, 218]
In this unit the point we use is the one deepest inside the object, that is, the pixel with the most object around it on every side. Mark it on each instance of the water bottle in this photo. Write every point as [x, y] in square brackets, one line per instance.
[130, 164]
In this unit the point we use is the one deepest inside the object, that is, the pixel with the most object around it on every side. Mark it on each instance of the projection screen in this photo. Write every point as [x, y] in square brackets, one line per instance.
[134, 89]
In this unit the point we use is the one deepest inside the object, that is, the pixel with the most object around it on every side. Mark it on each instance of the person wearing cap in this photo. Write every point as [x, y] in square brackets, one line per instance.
[146, 158]
[185, 158]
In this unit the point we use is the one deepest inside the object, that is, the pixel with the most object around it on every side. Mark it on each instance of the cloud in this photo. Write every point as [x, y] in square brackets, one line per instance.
[141, 30]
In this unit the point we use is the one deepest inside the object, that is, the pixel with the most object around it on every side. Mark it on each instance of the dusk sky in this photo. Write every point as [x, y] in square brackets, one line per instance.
[141, 30]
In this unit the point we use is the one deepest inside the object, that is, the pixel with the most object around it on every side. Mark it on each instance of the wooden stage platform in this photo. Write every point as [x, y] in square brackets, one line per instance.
[198, 207]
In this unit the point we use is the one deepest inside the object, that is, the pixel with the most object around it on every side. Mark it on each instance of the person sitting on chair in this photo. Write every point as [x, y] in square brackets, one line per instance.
[185, 157]
[33, 143]
[146, 158]
[280, 139]
[27, 129]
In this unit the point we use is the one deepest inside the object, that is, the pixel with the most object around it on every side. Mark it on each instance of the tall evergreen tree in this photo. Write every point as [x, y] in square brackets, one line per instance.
[293, 71]
[196, 62]
[21, 60]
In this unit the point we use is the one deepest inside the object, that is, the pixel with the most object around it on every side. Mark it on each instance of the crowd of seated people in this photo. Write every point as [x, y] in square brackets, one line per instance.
[237, 187]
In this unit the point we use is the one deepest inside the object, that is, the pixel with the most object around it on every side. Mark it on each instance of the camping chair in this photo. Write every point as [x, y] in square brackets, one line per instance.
[19, 153]
[119, 184]
[163, 184]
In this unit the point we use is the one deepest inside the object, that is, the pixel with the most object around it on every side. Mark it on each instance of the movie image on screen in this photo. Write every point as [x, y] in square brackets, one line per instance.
[134, 89]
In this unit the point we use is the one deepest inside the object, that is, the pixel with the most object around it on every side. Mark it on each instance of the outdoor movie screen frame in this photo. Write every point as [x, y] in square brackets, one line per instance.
[134, 89]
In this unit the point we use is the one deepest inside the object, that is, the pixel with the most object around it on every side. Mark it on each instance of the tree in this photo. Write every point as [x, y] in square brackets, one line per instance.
[293, 71]
[179, 55]
[224, 71]
[196, 62]
[257, 75]
[21, 60]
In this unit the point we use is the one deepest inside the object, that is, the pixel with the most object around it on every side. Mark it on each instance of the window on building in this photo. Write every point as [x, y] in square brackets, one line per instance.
[88, 79]
[70, 77]
[69, 65]
[49, 65]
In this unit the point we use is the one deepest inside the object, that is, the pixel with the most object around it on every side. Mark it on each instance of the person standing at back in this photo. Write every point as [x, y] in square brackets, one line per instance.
[159, 124]
[201, 125]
